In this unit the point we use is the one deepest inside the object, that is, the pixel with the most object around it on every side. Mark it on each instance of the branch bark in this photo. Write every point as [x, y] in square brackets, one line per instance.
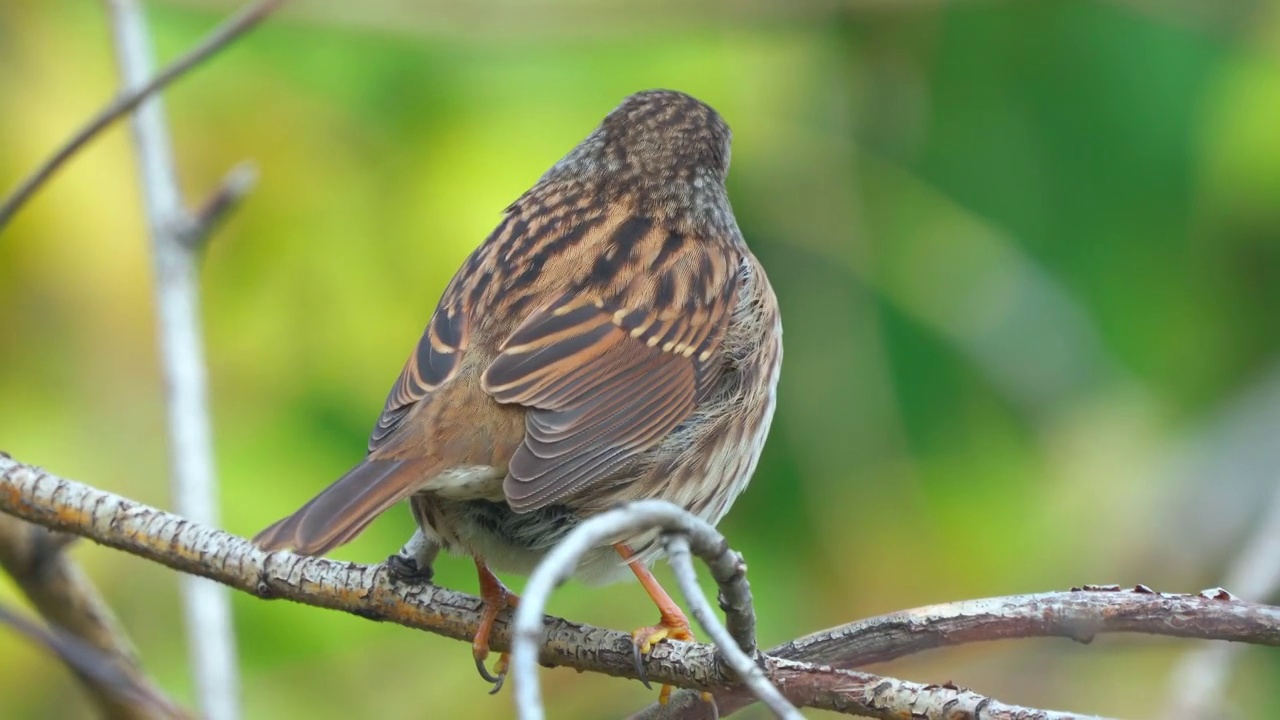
[368, 591]
[727, 568]
[85, 633]
[60, 504]
[1079, 614]
[744, 666]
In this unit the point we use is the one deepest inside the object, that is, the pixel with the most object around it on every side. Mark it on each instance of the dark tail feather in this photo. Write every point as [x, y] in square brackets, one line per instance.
[345, 508]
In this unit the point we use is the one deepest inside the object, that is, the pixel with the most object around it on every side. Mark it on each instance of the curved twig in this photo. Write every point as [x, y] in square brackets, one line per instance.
[726, 566]
[743, 666]
[234, 27]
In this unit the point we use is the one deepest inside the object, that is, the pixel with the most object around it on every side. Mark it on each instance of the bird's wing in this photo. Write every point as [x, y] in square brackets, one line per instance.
[612, 367]
[434, 362]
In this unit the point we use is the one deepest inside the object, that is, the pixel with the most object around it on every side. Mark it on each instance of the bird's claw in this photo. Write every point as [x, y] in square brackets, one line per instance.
[639, 660]
[496, 598]
[643, 640]
[496, 678]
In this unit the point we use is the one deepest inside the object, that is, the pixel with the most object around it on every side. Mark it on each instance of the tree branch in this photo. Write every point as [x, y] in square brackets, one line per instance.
[726, 566]
[1079, 614]
[1199, 677]
[680, 556]
[118, 691]
[867, 695]
[230, 192]
[87, 635]
[176, 236]
[59, 504]
[233, 28]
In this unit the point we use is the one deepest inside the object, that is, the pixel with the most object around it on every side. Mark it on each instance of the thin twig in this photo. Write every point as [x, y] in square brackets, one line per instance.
[230, 192]
[558, 565]
[368, 591]
[743, 666]
[231, 29]
[57, 588]
[117, 690]
[175, 235]
[1198, 679]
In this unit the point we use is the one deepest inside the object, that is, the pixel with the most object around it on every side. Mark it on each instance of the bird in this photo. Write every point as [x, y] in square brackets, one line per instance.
[612, 340]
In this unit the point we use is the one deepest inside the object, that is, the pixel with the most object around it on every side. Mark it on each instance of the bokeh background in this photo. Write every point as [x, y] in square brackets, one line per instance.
[1028, 255]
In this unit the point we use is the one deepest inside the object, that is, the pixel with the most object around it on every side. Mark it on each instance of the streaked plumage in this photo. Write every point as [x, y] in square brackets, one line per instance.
[612, 340]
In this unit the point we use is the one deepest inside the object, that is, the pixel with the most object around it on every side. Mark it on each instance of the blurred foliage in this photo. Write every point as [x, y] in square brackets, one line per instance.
[1027, 252]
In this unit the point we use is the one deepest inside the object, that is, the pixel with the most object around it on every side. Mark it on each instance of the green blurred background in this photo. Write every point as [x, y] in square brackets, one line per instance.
[1027, 254]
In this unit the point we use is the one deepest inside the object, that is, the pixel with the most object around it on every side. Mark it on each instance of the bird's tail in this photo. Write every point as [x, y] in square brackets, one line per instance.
[345, 508]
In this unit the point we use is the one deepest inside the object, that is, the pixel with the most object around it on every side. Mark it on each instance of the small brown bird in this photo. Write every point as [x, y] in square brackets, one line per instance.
[612, 340]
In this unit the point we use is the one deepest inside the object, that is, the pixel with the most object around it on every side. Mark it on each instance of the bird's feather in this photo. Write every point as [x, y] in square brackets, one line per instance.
[610, 368]
[345, 508]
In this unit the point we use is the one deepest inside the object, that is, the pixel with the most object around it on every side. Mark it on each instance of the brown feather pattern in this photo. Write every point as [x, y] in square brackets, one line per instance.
[613, 339]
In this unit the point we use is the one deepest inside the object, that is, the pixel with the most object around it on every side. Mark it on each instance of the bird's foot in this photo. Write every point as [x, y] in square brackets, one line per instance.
[408, 570]
[673, 626]
[497, 599]
[413, 564]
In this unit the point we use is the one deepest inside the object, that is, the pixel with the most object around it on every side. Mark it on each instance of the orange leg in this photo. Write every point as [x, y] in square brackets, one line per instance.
[672, 623]
[497, 598]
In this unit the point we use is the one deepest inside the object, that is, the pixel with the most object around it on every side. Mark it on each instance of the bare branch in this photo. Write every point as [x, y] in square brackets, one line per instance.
[57, 503]
[726, 566]
[231, 191]
[118, 691]
[175, 235]
[867, 695]
[1079, 614]
[743, 666]
[63, 505]
[1198, 680]
[233, 28]
[858, 693]
[89, 638]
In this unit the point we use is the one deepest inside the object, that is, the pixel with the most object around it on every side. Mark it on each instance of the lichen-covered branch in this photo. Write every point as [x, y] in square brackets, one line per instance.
[63, 505]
